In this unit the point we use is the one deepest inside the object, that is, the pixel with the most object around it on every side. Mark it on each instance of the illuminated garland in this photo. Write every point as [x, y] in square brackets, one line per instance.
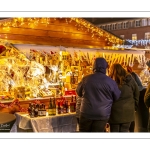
[139, 42]
[80, 24]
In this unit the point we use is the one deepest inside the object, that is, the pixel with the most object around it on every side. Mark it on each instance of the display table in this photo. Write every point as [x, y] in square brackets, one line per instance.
[58, 123]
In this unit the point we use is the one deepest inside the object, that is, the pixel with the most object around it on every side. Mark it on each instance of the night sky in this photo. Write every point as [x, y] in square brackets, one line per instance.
[105, 20]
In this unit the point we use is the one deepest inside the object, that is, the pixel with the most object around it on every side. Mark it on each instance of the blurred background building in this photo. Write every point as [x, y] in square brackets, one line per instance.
[134, 30]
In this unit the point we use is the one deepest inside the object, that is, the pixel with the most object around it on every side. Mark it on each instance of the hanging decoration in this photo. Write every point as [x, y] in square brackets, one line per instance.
[141, 42]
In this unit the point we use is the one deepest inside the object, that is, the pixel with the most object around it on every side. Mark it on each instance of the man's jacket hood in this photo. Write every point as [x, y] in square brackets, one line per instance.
[100, 65]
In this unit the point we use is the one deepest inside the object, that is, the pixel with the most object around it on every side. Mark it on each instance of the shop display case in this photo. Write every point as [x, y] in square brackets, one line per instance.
[39, 74]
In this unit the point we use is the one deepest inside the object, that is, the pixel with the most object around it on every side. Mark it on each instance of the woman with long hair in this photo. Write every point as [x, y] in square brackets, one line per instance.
[122, 112]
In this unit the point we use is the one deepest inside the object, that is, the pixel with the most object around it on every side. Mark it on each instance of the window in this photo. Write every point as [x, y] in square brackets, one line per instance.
[114, 26]
[131, 24]
[144, 22]
[137, 23]
[125, 25]
[148, 21]
[147, 35]
[122, 36]
[134, 36]
[119, 25]
[105, 26]
[109, 27]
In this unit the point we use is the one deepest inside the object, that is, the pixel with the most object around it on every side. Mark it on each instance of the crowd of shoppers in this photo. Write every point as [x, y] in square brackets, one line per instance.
[111, 98]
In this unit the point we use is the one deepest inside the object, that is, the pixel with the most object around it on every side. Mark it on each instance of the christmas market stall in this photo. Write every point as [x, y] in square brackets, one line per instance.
[43, 59]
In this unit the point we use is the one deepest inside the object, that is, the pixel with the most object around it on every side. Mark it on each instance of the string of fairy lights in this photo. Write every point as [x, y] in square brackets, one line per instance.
[141, 42]
[80, 23]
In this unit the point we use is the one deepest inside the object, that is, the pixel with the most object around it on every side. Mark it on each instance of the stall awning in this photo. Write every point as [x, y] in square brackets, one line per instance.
[68, 32]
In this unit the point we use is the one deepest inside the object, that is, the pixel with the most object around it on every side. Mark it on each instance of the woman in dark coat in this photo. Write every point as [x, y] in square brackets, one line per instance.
[136, 78]
[122, 112]
[140, 86]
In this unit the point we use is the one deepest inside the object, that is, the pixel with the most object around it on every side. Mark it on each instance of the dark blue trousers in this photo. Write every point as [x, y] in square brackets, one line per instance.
[122, 127]
[88, 125]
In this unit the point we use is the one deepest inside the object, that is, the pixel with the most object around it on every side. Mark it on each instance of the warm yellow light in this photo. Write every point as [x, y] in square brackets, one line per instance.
[32, 25]
[6, 28]
[20, 19]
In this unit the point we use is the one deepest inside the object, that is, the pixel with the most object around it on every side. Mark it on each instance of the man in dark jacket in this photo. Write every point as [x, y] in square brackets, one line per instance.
[98, 92]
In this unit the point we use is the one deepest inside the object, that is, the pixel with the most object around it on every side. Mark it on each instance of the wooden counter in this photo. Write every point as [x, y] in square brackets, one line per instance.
[24, 104]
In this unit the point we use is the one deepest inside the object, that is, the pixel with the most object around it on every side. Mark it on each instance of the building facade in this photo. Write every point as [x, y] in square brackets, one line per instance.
[136, 31]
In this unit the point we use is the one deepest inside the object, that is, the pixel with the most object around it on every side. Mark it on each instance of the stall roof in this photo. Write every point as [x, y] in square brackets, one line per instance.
[68, 32]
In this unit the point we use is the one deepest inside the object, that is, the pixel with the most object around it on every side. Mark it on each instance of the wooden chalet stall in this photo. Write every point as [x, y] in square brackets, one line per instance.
[44, 57]
[45, 43]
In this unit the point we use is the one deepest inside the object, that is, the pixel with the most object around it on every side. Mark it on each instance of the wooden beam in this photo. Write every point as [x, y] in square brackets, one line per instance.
[50, 33]
[52, 41]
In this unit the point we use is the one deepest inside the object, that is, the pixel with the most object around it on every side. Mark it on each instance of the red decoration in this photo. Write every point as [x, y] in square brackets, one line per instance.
[70, 92]
[17, 103]
[52, 52]
[2, 48]
[36, 102]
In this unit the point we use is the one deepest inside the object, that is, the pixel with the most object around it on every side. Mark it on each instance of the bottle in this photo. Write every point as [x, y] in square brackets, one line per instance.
[36, 110]
[32, 114]
[73, 80]
[50, 108]
[34, 105]
[60, 88]
[54, 106]
[72, 105]
[29, 108]
[59, 108]
[64, 106]
[39, 110]
[67, 107]
[44, 110]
